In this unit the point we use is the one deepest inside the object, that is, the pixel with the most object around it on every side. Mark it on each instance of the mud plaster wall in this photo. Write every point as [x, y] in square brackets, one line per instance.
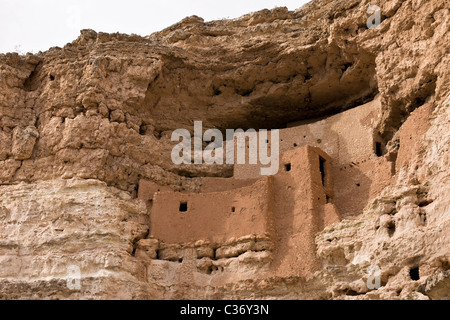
[360, 173]
[300, 195]
[290, 207]
[216, 217]
[224, 184]
[332, 135]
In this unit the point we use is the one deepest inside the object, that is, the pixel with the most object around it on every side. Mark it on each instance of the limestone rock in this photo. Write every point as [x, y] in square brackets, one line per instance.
[23, 142]
[85, 151]
[437, 286]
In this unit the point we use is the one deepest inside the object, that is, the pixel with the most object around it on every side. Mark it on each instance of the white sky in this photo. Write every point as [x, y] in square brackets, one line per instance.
[36, 25]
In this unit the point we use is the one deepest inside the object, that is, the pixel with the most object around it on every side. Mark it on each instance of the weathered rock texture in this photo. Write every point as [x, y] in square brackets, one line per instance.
[81, 126]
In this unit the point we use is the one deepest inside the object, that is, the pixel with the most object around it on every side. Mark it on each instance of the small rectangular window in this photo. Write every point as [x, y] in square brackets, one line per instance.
[183, 206]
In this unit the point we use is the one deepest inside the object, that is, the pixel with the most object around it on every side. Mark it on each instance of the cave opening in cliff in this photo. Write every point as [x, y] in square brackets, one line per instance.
[288, 167]
[414, 273]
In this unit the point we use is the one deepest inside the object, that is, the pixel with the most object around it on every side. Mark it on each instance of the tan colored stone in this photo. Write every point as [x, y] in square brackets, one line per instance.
[85, 143]
[23, 142]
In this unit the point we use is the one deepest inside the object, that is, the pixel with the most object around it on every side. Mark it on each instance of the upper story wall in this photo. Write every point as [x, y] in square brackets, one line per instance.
[346, 137]
[217, 217]
[360, 166]
[411, 133]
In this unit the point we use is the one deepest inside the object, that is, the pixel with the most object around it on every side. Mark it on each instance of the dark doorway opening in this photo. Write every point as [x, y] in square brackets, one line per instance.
[322, 169]
[414, 273]
[183, 206]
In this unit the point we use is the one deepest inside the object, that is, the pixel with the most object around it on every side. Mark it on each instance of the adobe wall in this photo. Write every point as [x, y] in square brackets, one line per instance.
[411, 132]
[209, 184]
[359, 182]
[215, 217]
[147, 189]
[360, 173]
[333, 135]
[300, 197]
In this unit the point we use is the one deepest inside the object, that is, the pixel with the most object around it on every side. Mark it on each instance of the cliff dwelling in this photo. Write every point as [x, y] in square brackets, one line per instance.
[272, 220]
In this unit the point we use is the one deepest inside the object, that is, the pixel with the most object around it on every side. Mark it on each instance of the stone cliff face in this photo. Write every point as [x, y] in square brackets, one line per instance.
[80, 126]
